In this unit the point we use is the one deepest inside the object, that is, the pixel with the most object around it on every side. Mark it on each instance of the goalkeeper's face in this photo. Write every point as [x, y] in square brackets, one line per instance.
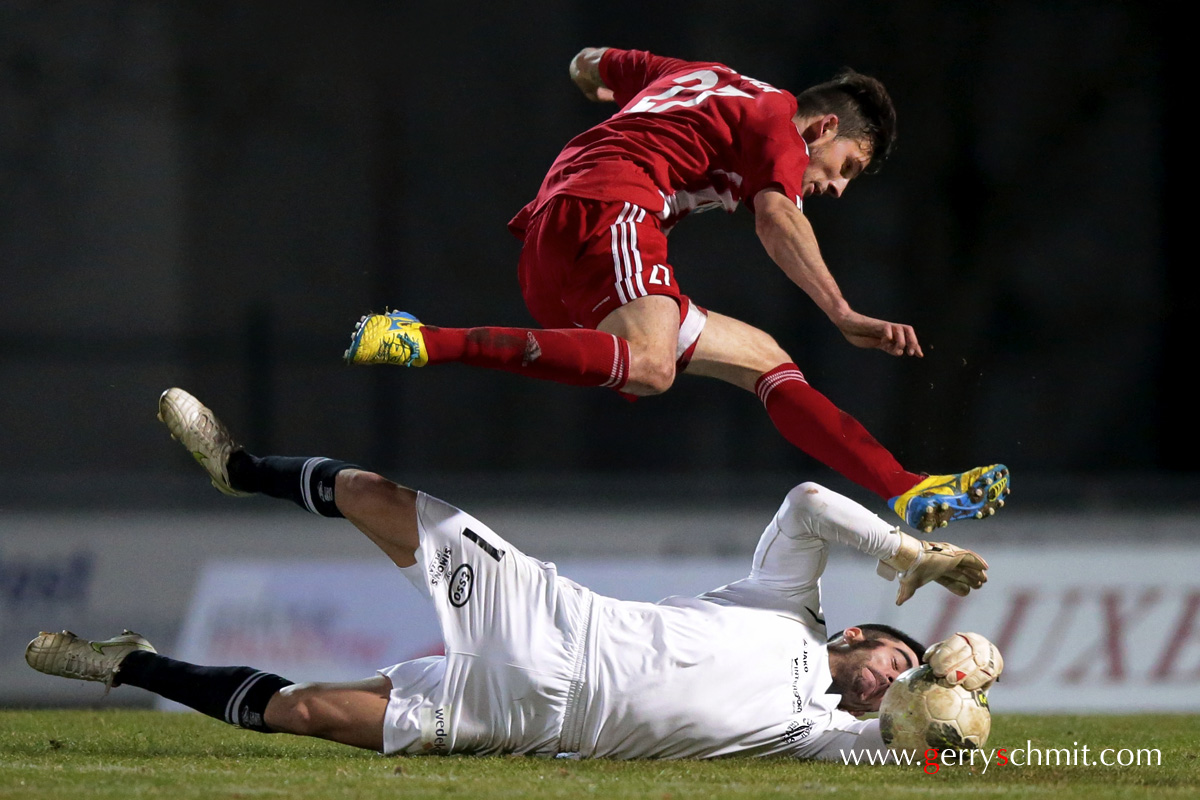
[863, 668]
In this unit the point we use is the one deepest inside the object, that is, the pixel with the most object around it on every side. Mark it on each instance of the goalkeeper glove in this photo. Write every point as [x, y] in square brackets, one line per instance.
[965, 659]
[919, 562]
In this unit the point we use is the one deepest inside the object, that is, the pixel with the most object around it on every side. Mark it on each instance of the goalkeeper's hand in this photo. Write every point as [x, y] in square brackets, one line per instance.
[919, 562]
[965, 659]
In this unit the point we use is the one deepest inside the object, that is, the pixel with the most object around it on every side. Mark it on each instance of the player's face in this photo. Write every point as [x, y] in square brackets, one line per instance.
[832, 163]
[867, 668]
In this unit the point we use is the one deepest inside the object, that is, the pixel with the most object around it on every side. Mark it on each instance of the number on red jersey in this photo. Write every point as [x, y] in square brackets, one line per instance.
[692, 90]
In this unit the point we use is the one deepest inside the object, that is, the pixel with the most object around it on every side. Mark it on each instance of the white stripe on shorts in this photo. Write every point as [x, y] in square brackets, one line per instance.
[618, 266]
[637, 254]
[627, 259]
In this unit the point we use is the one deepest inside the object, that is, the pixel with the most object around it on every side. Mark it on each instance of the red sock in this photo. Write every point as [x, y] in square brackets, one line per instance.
[808, 420]
[579, 357]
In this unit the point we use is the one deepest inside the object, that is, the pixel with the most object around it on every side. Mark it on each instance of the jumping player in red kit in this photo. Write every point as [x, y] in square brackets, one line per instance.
[594, 272]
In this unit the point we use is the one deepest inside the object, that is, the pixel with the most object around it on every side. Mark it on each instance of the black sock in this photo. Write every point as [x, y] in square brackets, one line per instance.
[308, 482]
[237, 695]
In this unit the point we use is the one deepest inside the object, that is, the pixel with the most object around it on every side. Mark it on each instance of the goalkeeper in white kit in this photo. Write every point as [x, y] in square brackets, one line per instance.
[536, 664]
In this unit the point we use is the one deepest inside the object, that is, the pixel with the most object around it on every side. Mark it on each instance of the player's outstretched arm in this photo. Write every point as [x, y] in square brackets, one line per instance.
[788, 238]
[792, 552]
[920, 562]
[585, 72]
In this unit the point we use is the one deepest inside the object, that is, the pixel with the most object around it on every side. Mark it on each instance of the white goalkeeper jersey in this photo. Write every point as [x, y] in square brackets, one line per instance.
[537, 664]
[742, 669]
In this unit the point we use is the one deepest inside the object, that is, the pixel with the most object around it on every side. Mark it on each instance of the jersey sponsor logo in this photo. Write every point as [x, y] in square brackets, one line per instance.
[797, 695]
[798, 730]
[460, 585]
[440, 566]
[725, 192]
[435, 729]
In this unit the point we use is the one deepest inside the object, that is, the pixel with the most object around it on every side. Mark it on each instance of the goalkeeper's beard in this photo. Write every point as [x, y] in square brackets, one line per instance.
[860, 687]
[862, 671]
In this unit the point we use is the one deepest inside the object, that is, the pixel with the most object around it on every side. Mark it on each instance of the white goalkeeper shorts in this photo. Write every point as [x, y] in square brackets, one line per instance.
[516, 642]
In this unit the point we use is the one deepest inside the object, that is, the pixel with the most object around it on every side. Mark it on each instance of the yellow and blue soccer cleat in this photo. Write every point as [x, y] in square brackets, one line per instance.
[941, 499]
[391, 338]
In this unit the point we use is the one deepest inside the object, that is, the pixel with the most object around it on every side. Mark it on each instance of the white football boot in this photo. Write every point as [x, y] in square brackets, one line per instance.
[199, 430]
[67, 656]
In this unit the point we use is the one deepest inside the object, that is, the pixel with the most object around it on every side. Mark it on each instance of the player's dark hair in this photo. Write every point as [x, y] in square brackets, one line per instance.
[875, 630]
[864, 109]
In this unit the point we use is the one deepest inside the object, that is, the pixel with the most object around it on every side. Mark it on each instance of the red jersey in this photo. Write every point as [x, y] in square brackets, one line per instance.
[690, 135]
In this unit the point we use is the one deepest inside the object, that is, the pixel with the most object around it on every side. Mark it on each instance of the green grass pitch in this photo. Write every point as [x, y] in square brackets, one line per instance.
[123, 754]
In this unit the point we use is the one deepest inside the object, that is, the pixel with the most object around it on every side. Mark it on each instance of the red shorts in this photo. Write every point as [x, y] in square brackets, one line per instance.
[585, 258]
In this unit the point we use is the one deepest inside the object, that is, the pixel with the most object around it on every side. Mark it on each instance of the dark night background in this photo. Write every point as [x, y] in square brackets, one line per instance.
[210, 194]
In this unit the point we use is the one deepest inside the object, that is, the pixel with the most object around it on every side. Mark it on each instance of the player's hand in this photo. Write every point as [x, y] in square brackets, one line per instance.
[965, 659]
[585, 72]
[602, 94]
[892, 338]
[920, 562]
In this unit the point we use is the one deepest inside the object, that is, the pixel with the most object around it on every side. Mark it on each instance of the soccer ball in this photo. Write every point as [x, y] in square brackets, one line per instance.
[919, 711]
